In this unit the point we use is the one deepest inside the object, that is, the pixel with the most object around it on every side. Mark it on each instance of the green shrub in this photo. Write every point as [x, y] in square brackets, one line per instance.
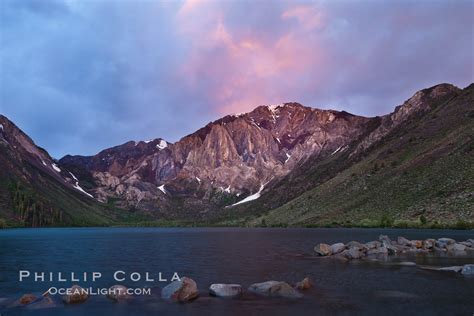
[423, 220]
[463, 225]
[386, 221]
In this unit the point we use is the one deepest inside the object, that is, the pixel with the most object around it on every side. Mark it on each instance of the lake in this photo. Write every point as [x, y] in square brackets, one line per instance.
[234, 255]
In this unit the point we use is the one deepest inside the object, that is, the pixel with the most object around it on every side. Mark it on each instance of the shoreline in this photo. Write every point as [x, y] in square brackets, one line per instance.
[449, 227]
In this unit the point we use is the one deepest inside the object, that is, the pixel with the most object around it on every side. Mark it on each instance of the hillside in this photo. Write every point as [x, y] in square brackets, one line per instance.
[35, 192]
[420, 174]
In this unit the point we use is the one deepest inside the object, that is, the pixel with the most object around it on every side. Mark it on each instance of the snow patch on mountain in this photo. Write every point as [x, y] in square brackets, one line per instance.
[274, 107]
[341, 148]
[162, 144]
[162, 189]
[253, 122]
[73, 176]
[55, 167]
[250, 197]
[77, 187]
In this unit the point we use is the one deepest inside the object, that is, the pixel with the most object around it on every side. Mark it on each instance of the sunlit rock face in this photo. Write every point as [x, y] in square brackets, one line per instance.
[236, 154]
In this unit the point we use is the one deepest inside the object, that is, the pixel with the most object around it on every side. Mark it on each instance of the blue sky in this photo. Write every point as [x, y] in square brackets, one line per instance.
[80, 76]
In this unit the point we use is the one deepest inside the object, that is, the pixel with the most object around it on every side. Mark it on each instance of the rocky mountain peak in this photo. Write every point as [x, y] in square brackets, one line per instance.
[237, 152]
[422, 101]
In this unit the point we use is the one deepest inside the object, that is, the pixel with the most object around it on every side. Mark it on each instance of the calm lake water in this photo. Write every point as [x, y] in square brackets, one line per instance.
[234, 255]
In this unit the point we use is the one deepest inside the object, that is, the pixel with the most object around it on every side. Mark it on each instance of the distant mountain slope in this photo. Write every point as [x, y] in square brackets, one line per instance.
[217, 165]
[419, 168]
[35, 191]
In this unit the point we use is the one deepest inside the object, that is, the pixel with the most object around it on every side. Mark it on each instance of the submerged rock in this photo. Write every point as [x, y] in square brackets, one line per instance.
[75, 295]
[401, 248]
[27, 299]
[378, 251]
[304, 284]
[354, 253]
[118, 293]
[373, 244]
[337, 248]
[225, 290]
[323, 249]
[468, 269]
[417, 250]
[342, 255]
[453, 268]
[275, 288]
[183, 290]
[42, 302]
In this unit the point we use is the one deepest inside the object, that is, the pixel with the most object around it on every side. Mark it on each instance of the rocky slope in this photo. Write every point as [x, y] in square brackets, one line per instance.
[413, 169]
[35, 191]
[234, 156]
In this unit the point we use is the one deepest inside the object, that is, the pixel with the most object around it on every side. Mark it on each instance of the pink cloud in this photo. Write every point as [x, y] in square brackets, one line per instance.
[244, 69]
[308, 16]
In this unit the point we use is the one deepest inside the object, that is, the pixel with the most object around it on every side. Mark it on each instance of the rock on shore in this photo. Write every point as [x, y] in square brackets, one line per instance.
[385, 246]
[468, 269]
[323, 249]
[183, 290]
[118, 293]
[75, 295]
[304, 284]
[27, 299]
[275, 289]
[225, 290]
[337, 248]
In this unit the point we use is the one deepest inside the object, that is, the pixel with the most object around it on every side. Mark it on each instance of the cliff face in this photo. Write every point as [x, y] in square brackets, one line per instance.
[235, 155]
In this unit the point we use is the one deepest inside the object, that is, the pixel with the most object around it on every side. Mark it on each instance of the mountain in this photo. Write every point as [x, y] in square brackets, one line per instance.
[415, 168]
[277, 165]
[218, 165]
[35, 191]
